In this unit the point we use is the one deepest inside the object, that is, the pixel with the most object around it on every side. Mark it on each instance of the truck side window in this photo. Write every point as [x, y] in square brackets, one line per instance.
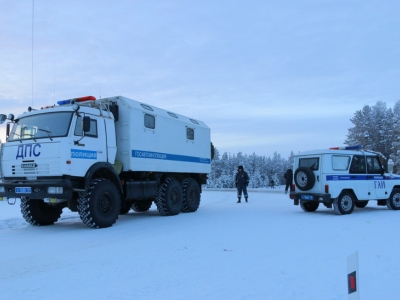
[149, 121]
[358, 165]
[189, 133]
[78, 127]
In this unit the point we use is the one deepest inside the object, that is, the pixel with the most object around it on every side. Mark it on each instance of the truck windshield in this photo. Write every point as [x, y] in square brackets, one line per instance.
[47, 125]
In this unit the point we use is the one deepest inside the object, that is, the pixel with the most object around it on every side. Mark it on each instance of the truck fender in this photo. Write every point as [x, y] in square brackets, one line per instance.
[103, 170]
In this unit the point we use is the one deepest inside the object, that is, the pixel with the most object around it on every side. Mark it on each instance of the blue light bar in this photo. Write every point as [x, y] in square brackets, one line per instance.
[64, 102]
[355, 147]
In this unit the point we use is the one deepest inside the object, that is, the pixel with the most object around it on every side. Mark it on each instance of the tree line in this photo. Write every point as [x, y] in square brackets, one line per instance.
[376, 128]
[261, 169]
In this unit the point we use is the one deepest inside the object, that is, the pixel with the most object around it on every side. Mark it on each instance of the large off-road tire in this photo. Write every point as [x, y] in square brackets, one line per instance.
[304, 178]
[344, 204]
[361, 204]
[38, 213]
[191, 195]
[100, 205]
[125, 207]
[169, 197]
[141, 206]
[309, 205]
[394, 200]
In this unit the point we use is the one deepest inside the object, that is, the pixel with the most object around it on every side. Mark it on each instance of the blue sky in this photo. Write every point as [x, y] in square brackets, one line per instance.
[265, 76]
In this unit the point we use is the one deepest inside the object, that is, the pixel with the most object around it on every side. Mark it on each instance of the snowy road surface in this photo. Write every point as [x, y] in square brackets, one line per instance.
[265, 249]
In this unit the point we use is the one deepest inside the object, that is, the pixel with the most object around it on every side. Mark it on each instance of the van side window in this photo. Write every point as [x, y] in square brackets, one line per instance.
[373, 165]
[149, 121]
[312, 163]
[340, 163]
[189, 133]
[78, 127]
[358, 165]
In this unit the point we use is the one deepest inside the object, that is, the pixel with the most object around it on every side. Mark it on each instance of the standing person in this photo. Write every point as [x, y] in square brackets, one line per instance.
[241, 182]
[289, 179]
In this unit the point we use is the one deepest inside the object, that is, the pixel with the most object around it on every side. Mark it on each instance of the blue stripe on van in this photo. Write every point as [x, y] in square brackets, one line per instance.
[360, 177]
[167, 156]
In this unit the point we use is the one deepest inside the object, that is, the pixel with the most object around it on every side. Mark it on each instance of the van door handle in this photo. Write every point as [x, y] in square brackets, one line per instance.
[99, 151]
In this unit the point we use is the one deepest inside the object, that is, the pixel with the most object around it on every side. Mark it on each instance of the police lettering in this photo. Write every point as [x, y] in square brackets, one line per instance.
[28, 150]
[379, 184]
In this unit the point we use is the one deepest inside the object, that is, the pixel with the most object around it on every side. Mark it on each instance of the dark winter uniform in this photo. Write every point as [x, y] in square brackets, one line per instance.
[242, 181]
[289, 179]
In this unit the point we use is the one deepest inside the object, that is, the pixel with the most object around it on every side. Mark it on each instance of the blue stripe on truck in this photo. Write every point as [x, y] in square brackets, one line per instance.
[167, 156]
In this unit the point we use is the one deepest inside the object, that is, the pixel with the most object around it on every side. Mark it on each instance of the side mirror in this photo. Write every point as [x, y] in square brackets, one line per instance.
[8, 129]
[2, 118]
[86, 124]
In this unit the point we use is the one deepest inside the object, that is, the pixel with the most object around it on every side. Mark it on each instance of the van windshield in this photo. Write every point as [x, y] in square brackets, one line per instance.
[47, 125]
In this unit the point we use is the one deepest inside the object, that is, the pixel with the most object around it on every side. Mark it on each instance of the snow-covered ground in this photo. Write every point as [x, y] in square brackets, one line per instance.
[265, 249]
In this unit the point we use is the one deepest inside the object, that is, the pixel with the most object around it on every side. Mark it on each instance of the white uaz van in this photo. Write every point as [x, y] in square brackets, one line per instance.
[343, 178]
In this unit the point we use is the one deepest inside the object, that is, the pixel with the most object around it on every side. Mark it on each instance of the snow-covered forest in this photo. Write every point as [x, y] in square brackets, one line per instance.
[376, 128]
[261, 169]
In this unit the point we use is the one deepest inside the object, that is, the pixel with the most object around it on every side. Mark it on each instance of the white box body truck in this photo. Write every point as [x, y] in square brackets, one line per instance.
[102, 158]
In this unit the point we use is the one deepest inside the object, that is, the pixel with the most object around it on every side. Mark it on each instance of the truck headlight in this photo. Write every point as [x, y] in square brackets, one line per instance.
[2, 189]
[55, 190]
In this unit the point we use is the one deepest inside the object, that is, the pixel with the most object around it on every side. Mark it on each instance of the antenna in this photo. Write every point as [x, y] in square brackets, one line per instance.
[99, 92]
[54, 93]
[33, 18]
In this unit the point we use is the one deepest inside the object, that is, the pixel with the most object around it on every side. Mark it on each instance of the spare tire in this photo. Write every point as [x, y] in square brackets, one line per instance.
[304, 178]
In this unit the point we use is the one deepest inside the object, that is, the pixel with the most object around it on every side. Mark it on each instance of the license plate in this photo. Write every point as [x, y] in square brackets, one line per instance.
[306, 197]
[23, 190]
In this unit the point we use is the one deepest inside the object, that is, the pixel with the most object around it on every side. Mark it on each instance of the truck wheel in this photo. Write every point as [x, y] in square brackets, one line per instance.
[361, 204]
[125, 207]
[169, 197]
[141, 206]
[309, 205]
[304, 178]
[38, 213]
[100, 206]
[191, 195]
[344, 204]
[394, 200]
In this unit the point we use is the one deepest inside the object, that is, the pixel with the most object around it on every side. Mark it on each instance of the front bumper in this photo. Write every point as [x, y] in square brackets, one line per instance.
[37, 189]
[323, 198]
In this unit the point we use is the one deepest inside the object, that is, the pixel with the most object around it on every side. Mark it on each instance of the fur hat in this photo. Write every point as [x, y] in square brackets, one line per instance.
[240, 167]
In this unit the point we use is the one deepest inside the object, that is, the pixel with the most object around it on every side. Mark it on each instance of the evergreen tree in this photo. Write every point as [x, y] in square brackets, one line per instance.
[376, 128]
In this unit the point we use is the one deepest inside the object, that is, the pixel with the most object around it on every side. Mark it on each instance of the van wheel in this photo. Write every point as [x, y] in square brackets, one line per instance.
[309, 205]
[344, 204]
[141, 206]
[304, 178]
[191, 195]
[100, 205]
[361, 204]
[394, 200]
[169, 197]
[38, 213]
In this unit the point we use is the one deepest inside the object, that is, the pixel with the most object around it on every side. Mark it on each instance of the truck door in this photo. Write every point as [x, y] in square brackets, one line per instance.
[88, 147]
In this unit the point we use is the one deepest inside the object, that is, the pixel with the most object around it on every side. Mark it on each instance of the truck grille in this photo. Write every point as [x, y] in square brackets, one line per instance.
[42, 169]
